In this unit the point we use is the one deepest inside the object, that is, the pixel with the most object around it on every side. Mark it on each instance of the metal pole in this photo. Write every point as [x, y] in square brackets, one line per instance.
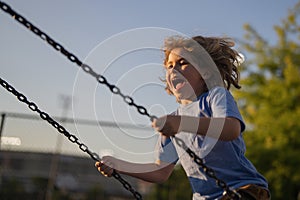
[66, 101]
[1, 129]
[2, 126]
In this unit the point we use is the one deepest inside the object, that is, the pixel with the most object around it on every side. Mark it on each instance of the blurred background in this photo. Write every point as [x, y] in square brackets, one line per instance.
[122, 41]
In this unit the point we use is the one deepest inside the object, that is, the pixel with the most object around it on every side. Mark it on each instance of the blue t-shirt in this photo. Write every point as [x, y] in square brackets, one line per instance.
[226, 158]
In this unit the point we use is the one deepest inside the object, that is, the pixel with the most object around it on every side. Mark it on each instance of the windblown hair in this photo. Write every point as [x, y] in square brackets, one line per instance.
[219, 49]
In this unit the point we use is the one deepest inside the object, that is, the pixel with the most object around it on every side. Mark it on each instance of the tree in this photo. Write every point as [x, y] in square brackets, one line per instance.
[96, 193]
[12, 189]
[270, 104]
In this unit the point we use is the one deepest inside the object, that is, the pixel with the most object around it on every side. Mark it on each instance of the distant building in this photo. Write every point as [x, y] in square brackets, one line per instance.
[75, 176]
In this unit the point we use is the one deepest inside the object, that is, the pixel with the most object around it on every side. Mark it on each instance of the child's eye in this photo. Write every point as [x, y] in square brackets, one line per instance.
[183, 62]
[169, 66]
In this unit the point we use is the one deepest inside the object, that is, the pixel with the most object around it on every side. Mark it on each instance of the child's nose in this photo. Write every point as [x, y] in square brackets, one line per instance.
[176, 68]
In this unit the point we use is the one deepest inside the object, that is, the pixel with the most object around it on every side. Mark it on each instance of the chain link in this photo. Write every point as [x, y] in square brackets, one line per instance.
[86, 68]
[72, 138]
[232, 194]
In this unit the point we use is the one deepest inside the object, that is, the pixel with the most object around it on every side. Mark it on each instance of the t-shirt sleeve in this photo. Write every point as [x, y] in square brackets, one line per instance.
[166, 151]
[223, 105]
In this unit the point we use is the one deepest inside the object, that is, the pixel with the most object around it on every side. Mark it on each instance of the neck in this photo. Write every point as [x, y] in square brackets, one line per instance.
[185, 101]
[192, 99]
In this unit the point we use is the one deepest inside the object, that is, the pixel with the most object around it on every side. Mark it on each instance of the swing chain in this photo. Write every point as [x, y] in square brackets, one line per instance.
[86, 68]
[232, 194]
[72, 138]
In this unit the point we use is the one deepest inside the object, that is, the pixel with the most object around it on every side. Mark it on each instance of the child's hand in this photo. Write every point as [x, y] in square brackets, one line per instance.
[105, 166]
[167, 125]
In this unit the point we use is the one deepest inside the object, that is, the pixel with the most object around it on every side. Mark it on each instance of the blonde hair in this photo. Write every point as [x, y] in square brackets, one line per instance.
[219, 49]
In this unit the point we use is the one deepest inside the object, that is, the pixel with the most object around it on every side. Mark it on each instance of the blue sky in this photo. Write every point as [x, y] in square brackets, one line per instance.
[101, 33]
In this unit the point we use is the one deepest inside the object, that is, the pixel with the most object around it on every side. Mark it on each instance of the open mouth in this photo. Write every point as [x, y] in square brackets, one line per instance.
[178, 83]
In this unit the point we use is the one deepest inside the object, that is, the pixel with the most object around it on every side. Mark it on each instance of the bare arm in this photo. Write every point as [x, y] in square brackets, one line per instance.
[151, 172]
[225, 129]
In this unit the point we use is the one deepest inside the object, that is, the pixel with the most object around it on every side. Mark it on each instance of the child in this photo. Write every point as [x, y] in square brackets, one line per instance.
[199, 73]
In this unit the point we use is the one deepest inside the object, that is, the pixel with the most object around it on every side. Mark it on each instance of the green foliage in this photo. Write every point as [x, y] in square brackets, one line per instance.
[96, 193]
[11, 190]
[40, 187]
[270, 104]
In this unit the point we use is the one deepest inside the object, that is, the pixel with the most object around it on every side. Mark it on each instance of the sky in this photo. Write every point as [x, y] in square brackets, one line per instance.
[120, 40]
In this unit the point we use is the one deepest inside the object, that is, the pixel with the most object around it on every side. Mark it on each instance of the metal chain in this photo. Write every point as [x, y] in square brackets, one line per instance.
[72, 138]
[86, 68]
[231, 194]
[114, 89]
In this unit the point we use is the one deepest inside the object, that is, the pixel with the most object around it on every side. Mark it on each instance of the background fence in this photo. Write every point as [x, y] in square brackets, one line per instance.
[37, 162]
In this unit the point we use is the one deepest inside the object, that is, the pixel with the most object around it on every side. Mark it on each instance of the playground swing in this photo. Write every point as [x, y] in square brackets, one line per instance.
[228, 192]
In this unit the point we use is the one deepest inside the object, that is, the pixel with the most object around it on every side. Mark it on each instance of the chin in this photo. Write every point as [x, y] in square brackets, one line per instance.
[185, 98]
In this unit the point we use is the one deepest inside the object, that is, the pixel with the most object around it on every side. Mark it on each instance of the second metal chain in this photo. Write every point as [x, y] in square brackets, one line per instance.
[72, 138]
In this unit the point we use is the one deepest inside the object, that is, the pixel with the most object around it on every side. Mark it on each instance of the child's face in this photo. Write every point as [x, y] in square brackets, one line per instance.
[183, 79]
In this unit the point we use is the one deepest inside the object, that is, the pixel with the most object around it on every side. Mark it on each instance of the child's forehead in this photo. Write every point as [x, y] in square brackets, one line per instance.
[179, 53]
[174, 55]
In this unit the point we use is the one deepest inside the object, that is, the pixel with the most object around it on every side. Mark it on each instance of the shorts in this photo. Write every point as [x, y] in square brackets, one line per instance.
[251, 192]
